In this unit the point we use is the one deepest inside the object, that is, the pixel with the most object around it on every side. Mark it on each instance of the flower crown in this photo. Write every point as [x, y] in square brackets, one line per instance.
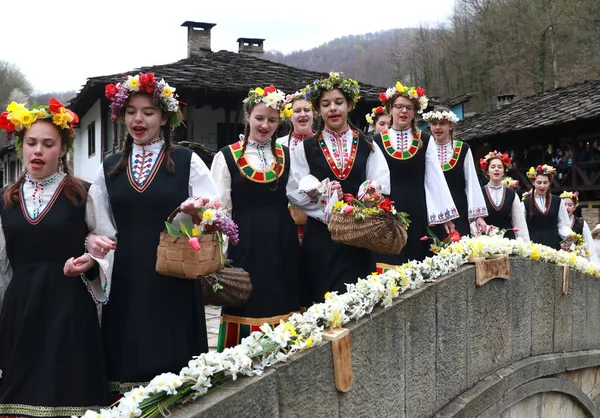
[270, 96]
[398, 89]
[289, 101]
[485, 161]
[545, 170]
[162, 94]
[448, 115]
[574, 196]
[510, 183]
[334, 81]
[18, 117]
[375, 112]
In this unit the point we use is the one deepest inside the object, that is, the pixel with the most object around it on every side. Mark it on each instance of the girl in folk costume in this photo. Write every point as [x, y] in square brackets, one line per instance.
[547, 218]
[596, 236]
[51, 357]
[379, 119]
[299, 113]
[133, 194]
[252, 175]
[344, 155]
[505, 210]
[456, 160]
[418, 184]
[579, 225]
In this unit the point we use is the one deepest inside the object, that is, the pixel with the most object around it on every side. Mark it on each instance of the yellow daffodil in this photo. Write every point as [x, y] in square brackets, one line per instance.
[309, 342]
[195, 232]
[535, 255]
[399, 87]
[259, 91]
[288, 110]
[24, 117]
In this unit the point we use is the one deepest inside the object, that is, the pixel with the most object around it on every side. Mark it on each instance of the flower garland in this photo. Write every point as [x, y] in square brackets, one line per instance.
[510, 183]
[18, 117]
[574, 196]
[448, 115]
[416, 93]
[543, 170]
[289, 102]
[334, 81]
[375, 112]
[162, 94]
[273, 345]
[485, 161]
[270, 96]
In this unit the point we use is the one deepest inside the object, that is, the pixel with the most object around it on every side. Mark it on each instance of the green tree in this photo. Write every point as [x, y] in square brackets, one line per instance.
[11, 79]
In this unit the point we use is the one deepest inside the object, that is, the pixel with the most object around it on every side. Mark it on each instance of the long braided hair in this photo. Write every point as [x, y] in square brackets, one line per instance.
[548, 196]
[74, 188]
[166, 132]
[248, 108]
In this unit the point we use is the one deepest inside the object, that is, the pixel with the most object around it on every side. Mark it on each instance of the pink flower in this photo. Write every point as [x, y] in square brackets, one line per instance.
[424, 238]
[194, 243]
[516, 229]
[348, 209]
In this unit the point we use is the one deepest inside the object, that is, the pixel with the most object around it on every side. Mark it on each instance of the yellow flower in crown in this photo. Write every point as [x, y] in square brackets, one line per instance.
[259, 91]
[24, 117]
[287, 111]
[399, 87]
[167, 90]
[412, 94]
[133, 83]
[62, 119]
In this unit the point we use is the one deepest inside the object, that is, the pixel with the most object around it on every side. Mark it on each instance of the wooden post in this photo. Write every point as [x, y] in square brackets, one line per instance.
[565, 286]
[342, 357]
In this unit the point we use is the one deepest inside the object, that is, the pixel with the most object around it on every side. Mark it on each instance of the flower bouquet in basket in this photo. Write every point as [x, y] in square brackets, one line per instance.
[190, 252]
[369, 221]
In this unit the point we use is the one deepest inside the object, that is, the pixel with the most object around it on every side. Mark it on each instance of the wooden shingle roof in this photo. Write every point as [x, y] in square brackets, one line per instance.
[215, 72]
[551, 108]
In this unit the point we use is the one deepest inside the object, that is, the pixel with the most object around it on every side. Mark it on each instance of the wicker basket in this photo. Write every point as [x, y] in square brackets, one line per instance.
[298, 216]
[382, 233]
[236, 290]
[175, 257]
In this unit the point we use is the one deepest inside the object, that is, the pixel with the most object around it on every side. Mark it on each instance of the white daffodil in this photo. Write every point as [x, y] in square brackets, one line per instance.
[133, 83]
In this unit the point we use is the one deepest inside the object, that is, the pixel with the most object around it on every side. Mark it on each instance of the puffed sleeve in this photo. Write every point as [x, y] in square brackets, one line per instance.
[589, 242]
[378, 170]
[518, 219]
[440, 205]
[100, 222]
[564, 223]
[222, 178]
[475, 200]
[201, 181]
[5, 268]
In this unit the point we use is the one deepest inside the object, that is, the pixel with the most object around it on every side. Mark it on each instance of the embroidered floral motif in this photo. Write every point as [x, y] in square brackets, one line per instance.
[342, 160]
[38, 192]
[258, 176]
[143, 167]
[477, 212]
[37, 218]
[405, 148]
[260, 150]
[442, 217]
[447, 162]
[492, 199]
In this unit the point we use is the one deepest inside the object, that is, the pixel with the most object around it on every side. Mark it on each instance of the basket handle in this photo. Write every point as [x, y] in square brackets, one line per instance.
[173, 215]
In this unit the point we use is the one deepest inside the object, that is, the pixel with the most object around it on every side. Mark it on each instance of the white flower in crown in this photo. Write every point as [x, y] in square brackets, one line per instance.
[274, 99]
[167, 91]
[133, 83]
[389, 93]
[423, 102]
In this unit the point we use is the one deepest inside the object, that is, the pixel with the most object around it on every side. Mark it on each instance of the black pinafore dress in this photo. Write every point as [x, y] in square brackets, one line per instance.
[500, 216]
[577, 225]
[51, 353]
[407, 179]
[329, 265]
[152, 324]
[268, 248]
[543, 226]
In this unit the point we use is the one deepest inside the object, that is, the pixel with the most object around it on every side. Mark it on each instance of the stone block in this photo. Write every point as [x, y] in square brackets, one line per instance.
[451, 362]
[305, 383]
[378, 386]
[544, 276]
[593, 313]
[563, 313]
[578, 289]
[489, 329]
[236, 399]
[420, 330]
[520, 302]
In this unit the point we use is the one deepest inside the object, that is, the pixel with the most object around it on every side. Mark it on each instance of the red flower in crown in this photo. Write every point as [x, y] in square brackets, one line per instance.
[379, 110]
[382, 97]
[539, 169]
[110, 90]
[483, 163]
[5, 124]
[147, 82]
[269, 89]
[420, 91]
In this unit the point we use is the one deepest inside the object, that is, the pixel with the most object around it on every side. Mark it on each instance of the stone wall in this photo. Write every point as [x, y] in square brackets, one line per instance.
[450, 349]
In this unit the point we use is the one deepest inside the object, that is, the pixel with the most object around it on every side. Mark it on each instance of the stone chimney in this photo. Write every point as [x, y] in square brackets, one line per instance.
[251, 46]
[504, 99]
[198, 39]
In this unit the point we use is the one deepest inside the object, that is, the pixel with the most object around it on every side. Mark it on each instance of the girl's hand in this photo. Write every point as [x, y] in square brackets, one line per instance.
[191, 205]
[75, 266]
[449, 227]
[481, 225]
[337, 187]
[99, 246]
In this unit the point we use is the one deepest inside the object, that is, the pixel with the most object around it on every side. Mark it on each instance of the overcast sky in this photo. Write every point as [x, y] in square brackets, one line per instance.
[58, 45]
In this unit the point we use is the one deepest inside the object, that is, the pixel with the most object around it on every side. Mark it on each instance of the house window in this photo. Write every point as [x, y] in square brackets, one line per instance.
[91, 131]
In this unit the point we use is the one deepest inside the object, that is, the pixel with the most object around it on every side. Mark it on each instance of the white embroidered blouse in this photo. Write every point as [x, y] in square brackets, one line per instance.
[99, 215]
[517, 211]
[37, 195]
[475, 200]
[587, 238]
[339, 146]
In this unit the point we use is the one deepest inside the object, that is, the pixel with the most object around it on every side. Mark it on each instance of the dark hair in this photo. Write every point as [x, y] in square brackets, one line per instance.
[248, 108]
[413, 123]
[166, 133]
[487, 170]
[75, 189]
[440, 108]
[548, 196]
[290, 121]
